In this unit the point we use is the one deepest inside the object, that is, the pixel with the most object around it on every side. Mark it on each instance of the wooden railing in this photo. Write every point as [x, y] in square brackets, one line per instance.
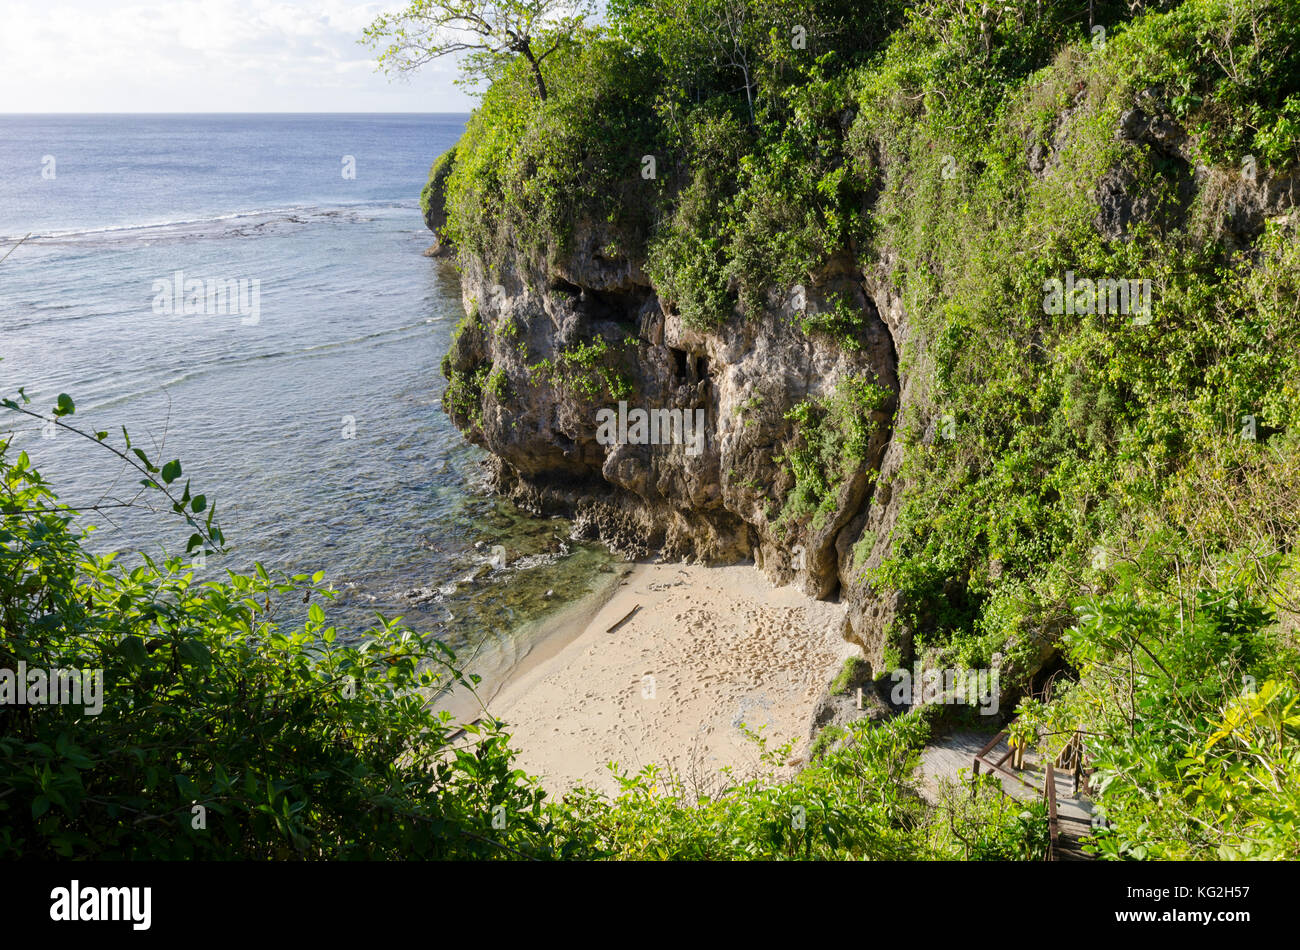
[1053, 824]
[1072, 756]
[982, 757]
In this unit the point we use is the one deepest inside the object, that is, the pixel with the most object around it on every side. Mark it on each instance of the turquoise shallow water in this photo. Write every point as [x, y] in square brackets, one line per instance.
[317, 429]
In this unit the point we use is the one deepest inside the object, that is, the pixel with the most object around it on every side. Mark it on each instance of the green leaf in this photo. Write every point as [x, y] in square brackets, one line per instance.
[195, 652]
[65, 406]
[132, 650]
[171, 471]
[199, 503]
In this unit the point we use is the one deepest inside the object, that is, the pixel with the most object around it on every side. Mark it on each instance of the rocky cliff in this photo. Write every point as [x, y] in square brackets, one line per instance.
[849, 291]
[513, 370]
[546, 347]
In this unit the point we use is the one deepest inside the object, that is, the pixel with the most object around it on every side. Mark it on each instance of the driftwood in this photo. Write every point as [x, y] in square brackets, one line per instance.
[626, 618]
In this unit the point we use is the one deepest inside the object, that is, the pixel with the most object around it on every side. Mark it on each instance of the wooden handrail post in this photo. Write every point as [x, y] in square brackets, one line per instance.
[1049, 792]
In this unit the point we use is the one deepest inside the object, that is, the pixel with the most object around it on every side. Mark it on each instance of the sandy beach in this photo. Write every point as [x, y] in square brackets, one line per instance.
[705, 650]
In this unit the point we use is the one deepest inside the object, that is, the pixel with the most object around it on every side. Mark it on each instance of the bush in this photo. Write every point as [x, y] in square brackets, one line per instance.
[234, 722]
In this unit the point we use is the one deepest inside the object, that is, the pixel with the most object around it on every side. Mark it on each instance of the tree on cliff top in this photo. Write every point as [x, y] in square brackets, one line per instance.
[487, 34]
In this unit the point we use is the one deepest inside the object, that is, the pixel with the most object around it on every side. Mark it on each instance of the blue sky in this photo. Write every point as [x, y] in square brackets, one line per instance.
[205, 56]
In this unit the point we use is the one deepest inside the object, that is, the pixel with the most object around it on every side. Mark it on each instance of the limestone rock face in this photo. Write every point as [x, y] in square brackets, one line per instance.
[1236, 201]
[542, 354]
[433, 202]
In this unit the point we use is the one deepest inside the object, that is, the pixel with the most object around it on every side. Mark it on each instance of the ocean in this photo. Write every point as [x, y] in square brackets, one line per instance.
[306, 401]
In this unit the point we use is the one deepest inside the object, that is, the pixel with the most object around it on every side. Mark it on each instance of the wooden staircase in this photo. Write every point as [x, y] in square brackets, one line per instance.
[1069, 817]
[1069, 809]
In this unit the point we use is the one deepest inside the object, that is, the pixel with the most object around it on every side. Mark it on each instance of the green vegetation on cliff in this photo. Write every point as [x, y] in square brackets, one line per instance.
[1122, 443]
[832, 435]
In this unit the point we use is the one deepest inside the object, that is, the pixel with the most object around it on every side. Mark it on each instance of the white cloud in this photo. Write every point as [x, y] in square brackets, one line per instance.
[205, 56]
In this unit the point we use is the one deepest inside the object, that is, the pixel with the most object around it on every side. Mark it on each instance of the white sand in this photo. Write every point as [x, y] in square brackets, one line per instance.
[710, 648]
